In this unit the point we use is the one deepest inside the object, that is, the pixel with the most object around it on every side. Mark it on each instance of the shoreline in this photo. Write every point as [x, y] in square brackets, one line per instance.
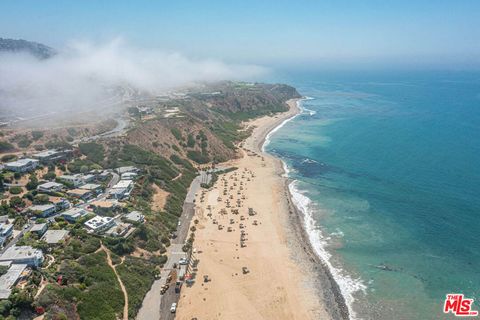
[328, 287]
[285, 279]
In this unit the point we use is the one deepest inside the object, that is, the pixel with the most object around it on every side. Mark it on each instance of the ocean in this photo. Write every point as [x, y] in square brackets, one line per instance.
[386, 168]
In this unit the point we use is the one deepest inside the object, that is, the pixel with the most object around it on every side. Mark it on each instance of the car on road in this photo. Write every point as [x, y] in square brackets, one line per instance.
[183, 261]
[173, 308]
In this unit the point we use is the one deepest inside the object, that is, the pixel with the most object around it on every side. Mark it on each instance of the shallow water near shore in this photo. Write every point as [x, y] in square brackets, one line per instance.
[386, 167]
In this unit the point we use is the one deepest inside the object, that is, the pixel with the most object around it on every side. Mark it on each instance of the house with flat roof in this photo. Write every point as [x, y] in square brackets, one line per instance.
[135, 216]
[75, 180]
[55, 236]
[92, 187]
[15, 273]
[129, 176]
[122, 189]
[50, 156]
[119, 230]
[23, 255]
[88, 178]
[22, 165]
[99, 224]
[50, 187]
[42, 210]
[81, 194]
[74, 214]
[122, 170]
[39, 229]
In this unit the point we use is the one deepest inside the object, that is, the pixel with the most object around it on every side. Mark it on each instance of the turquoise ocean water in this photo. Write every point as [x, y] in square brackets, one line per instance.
[386, 167]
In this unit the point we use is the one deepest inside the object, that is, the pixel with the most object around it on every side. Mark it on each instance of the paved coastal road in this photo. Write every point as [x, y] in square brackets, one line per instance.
[156, 306]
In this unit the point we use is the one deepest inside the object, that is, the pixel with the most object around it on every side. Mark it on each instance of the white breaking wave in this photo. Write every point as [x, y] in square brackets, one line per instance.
[267, 138]
[305, 110]
[307, 160]
[348, 285]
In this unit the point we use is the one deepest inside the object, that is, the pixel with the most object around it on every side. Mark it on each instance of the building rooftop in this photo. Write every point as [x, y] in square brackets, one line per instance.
[75, 213]
[135, 216]
[121, 170]
[54, 236]
[51, 184]
[122, 184]
[98, 222]
[20, 252]
[38, 227]
[120, 229]
[8, 280]
[90, 186]
[41, 207]
[20, 162]
[46, 153]
[69, 176]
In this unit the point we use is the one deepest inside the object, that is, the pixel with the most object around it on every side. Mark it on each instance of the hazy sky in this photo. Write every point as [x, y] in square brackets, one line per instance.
[276, 33]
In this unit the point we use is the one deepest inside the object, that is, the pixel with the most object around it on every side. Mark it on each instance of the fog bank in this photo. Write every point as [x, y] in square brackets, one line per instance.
[85, 76]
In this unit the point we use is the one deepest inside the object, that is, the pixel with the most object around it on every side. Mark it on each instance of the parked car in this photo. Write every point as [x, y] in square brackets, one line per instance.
[183, 261]
[173, 308]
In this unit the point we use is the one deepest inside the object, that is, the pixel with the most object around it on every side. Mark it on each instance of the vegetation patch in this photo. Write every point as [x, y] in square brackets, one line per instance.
[93, 151]
[137, 275]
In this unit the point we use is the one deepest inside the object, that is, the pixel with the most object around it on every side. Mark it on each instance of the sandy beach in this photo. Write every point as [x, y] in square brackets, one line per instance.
[251, 246]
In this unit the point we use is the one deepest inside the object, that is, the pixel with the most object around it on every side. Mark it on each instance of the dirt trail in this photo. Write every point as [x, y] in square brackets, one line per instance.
[125, 294]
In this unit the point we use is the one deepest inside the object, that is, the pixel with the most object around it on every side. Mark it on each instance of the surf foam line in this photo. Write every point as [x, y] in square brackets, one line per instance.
[269, 135]
[347, 284]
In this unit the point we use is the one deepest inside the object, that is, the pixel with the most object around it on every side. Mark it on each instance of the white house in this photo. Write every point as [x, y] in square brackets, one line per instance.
[119, 230]
[122, 189]
[11, 278]
[129, 176]
[42, 210]
[74, 214]
[122, 170]
[39, 229]
[50, 187]
[135, 216]
[23, 255]
[55, 236]
[98, 223]
[75, 180]
[22, 165]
